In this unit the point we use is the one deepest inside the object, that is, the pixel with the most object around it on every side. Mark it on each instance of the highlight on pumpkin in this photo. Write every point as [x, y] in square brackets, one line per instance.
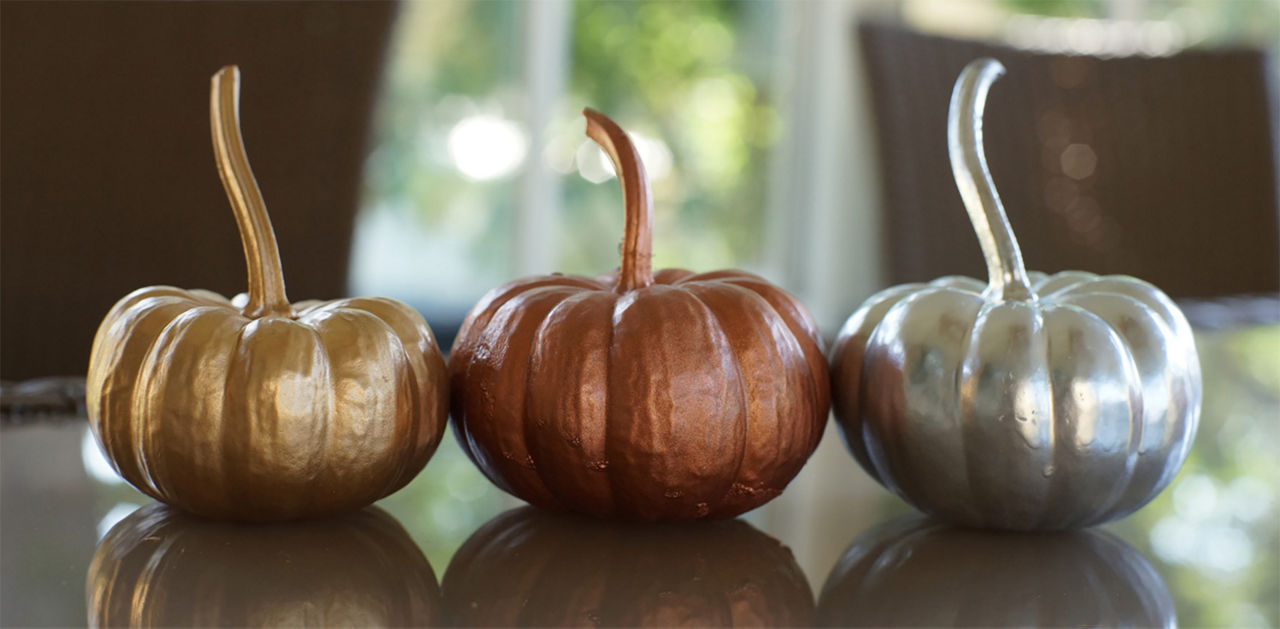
[261, 255]
[637, 242]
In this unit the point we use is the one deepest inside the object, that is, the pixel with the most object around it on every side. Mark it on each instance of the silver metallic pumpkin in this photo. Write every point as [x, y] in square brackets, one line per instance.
[1032, 401]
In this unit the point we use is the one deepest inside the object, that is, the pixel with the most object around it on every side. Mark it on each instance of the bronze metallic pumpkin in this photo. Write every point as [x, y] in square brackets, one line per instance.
[161, 568]
[265, 410]
[530, 568]
[1029, 402]
[640, 395]
[913, 572]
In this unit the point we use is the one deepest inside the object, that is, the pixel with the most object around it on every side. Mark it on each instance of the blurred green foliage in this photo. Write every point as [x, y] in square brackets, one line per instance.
[1235, 448]
[1207, 22]
[1057, 8]
[674, 72]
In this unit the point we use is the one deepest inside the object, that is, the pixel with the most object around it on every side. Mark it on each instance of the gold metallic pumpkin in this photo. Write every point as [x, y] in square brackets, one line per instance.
[269, 411]
[1030, 401]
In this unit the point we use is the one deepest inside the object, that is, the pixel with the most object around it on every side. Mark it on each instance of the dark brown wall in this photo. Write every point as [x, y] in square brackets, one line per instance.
[107, 181]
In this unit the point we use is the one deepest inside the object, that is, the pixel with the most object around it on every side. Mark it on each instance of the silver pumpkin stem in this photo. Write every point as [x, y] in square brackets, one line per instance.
[1007, 276]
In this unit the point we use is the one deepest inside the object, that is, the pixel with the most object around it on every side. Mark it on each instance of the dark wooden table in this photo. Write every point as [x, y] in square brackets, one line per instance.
[1205, 552]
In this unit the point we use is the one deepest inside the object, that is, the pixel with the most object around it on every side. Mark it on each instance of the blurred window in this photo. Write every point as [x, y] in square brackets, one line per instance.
[480, 171]
[749, 116]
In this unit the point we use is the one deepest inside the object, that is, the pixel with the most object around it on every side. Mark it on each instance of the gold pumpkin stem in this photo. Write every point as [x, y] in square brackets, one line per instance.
[261, 256]
[637, 240]
[1007, 276]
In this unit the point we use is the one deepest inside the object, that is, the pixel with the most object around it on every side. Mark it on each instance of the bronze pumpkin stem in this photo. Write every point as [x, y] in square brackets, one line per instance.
[637, 240]
[1007, 276]
[261, 256]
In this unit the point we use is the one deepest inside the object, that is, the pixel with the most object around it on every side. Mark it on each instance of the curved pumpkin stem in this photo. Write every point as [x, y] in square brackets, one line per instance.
[261, 256]
[637, 240]
[1006, 274]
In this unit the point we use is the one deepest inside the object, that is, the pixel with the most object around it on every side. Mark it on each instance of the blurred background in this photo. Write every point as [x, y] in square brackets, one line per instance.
[429, 151]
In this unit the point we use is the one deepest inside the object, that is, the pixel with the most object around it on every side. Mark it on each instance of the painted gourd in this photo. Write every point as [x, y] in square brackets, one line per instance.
[639, 395]
[1030, 402]
[530, 568]
[161, 568]
[913, 572]
[263, 411]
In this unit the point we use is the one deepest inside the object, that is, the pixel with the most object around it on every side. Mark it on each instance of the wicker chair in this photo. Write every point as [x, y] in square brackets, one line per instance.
[1162, 168]
[108, 181]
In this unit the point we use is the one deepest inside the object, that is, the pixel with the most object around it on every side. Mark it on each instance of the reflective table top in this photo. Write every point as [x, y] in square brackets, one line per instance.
[81, 547]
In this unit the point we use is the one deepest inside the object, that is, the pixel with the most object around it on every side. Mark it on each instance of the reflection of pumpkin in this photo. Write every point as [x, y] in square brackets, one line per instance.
[916, 572]
[161, 568]
[639, 395]
[531, 568]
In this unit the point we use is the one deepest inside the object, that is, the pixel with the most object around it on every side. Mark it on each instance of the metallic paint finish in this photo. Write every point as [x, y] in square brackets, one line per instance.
[1030, 402]
[639, 395]
[271, 411]
[530, 568]
[915, 572]
[162, 568]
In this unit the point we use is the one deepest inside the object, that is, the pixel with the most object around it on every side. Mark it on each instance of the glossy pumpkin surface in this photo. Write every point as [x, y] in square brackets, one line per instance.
[532, 568]
[1030, 401]
[161, 568]
[913, 572]
[652, 396]
[263, 410]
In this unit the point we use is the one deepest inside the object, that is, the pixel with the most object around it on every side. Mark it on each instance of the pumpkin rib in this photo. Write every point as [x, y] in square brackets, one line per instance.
[408, 460]
[803, 328]
[806, 408]
[847, 402]
[735, 484]
[1076, 517]
[114, 369]
[527, 428]
[1124, 492]
[809, 347]
[966, 418]
[1137, 385]
[614, 506]
[504, 335]
[192, 426]
[462, 352]
[460, 355]
[558, 376]
[268, 344]
[889, 434]
[406, 456]
[358, 435]
[143, 438]
[611, 425]
[325, 438]
[412, 459]
[667, 472]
